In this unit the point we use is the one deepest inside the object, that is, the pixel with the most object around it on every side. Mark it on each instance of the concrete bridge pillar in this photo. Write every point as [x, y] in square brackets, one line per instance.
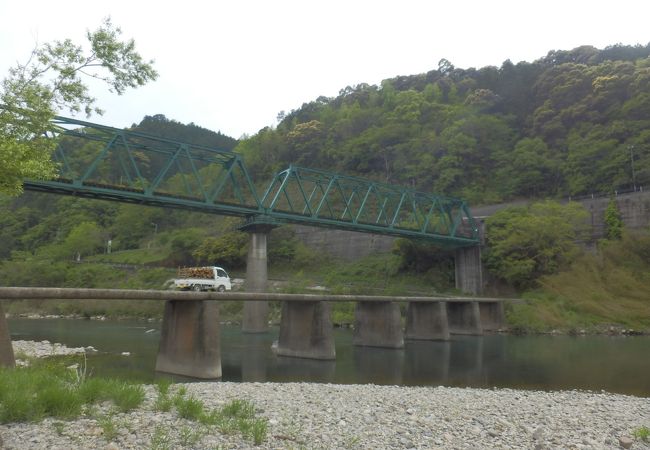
[427, 321]
[492, 315]
[256, 314]
[6, 350]
[464, 318]
[306, 331]
[189, 339]
[469, 273]
[378, 324]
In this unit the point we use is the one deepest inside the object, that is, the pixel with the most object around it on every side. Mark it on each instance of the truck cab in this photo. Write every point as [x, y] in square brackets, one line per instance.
[222, 280]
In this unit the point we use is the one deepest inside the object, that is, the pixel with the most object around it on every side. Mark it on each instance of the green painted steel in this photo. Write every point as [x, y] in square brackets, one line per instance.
[316, 197]
[97, 161]
[101, 162]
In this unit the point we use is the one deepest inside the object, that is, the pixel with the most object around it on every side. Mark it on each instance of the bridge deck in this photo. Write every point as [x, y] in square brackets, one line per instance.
[26, 293]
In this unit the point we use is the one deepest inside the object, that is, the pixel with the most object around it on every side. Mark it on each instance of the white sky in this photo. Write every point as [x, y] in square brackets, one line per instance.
[232, 66]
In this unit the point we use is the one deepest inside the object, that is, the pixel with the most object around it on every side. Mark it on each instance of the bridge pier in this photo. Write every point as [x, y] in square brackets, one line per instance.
[427, 321]
[464, 318]
[6, 350]
[468, 269]
[378, 324]
[492, 315]
[189, 339]
[306, 331]
[256, 314]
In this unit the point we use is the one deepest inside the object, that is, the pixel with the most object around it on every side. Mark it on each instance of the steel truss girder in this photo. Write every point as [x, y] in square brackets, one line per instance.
[101, 162]
[332, 200]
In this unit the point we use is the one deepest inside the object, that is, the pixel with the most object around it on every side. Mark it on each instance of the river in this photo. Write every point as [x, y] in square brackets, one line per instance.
[618, 364]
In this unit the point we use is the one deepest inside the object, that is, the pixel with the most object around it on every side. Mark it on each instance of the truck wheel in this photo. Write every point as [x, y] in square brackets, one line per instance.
[196, 288]
[221, 288]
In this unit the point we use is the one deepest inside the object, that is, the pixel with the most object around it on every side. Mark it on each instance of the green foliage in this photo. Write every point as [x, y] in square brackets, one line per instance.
[189, 408]
[561, 125]
[28, 394]
[237, 415]
[50, 81]
[228, 250]
[108, 426]
[642, 434]
[182, 245]
[126, 396]
[161, 439]
[597, 291]
[613, 221]
[421, 257]
[526, 243]
[282, 245]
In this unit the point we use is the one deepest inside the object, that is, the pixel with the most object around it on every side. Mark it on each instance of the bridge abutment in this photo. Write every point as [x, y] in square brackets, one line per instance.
[427, 321]
[256, 313]
[464, 318]
[306, 331]
[189, 339]
[378, 324]
[6, 350]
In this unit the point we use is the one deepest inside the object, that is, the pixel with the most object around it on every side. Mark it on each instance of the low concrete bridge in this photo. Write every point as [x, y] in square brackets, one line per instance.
[189, 343]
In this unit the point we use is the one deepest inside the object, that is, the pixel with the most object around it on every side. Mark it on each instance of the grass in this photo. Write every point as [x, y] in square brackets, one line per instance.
[642, 434]
[108, 426]
[608, 288]
[29, 394]
[235, 416]
[52, 389]
[161, 439]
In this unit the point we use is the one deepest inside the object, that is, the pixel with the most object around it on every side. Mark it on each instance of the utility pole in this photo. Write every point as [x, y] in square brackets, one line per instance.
[631, 147]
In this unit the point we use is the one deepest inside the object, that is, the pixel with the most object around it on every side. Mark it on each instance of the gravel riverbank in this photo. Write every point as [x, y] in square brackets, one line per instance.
[305, 415]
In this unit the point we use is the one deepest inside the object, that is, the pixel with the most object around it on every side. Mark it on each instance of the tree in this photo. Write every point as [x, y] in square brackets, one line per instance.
[84, 239]
[613, 221]
[51, 81]
[228, 250]
[527, 243]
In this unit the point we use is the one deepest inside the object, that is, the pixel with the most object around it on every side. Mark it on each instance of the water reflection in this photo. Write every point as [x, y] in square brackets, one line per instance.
[615, 364]
[427, 362]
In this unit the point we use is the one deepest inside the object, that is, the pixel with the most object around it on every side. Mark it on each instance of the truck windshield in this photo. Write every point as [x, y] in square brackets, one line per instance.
[222, 273]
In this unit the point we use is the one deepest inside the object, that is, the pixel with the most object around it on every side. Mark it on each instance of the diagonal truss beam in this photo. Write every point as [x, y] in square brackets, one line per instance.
[97, 161]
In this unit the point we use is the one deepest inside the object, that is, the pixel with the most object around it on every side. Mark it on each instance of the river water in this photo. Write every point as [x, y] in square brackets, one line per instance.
[613, 364]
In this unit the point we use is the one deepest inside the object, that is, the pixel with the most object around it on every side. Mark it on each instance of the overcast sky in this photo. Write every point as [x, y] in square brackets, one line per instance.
[232, 66]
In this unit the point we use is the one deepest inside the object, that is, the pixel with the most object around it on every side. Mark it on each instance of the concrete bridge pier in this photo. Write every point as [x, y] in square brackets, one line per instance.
[6, 350]
[493, 316]
[464, 318]
[427, 321]
[306, 331]
[378, 324]
[469, 271]
[256, 314]
[189, 339]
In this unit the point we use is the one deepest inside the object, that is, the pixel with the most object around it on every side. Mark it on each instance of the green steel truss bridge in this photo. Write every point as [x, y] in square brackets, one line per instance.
[101, 162]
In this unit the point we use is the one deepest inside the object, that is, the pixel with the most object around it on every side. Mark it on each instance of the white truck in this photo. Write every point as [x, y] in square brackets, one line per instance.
[210, 278]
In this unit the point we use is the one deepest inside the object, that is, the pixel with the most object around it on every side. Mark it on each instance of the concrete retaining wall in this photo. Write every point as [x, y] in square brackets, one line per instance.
[350, 246]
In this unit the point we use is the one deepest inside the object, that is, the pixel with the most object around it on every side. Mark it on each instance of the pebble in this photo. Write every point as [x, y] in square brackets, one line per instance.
[313, 415]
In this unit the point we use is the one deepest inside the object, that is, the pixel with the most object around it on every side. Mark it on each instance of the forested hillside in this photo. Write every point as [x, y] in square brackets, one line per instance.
[159, 125]
[572, 122]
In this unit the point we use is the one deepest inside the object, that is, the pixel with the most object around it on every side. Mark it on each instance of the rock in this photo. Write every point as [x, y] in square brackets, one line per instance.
[111, 446]
[538, 434]
[625, 442]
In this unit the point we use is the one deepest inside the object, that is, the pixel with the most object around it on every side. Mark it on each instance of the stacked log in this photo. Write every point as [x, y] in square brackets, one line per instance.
[195, 272]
